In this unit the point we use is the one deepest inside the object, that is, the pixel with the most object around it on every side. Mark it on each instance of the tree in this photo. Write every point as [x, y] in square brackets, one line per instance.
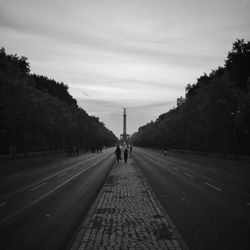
[39, 113]
[215, 113]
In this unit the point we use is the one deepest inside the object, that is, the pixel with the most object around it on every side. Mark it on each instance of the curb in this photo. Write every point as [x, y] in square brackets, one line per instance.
[85, 220]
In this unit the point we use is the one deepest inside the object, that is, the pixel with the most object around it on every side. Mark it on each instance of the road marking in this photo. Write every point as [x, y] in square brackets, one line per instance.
[13, 176]
[48, 193]
[188, 174]
[175, 168]
[36, 187]
[212, 186]
[78, 162]
[61, 174]
[235, 176]
[3, 203]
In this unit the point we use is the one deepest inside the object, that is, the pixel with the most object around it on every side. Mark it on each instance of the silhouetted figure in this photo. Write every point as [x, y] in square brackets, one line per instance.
[73, 150]
[118, 153]
[77, 151]
[67, 150]
[98, 149]
[70, 150]
[131, 148]
[165, 151]
[125, 155]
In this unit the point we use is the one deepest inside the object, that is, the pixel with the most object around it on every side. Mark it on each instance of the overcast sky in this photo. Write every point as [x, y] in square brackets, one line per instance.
[138, 54]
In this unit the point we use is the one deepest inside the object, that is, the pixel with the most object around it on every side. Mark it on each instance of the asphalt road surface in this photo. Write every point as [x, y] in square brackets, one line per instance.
[207, 199]
[44, 200]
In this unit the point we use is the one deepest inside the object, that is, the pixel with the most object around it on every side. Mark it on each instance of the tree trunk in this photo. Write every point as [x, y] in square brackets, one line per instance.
[224, 143]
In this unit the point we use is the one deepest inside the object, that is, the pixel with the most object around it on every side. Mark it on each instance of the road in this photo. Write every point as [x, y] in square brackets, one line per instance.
[207, 199]
[43, 201]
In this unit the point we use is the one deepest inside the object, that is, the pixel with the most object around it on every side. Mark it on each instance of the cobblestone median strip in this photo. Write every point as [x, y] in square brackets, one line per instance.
[127, 216]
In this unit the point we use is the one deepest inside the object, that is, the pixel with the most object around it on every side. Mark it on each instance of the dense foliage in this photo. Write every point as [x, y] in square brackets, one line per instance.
[214, 115]
[39, 113]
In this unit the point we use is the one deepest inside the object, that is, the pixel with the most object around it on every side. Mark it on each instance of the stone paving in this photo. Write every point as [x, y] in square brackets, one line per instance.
[127, 215]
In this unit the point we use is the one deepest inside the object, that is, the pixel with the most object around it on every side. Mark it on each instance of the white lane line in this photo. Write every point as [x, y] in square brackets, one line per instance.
[61, 174]
[248, 203]
[49, 192]
[38, 186]
[13, 176]
[235, 176]
[7, 196]
[212, 186]
[188, 174]
[3, 203]
[175, 168]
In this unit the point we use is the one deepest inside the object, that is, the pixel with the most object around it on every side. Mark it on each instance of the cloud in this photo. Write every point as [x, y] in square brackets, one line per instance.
[139, 54]
[157, 83]
[128, 42]
[97, 105]
[152, 105]
[110, 112]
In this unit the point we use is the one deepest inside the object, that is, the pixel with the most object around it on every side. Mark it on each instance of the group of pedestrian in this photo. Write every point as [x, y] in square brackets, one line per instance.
[96, 149]
[118, 153]
[72, 150]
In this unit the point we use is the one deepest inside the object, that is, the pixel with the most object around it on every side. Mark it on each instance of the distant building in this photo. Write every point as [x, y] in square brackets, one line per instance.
[124, 136]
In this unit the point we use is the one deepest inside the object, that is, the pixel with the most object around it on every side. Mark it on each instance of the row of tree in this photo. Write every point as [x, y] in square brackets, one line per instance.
[38, 113]
[214, 115]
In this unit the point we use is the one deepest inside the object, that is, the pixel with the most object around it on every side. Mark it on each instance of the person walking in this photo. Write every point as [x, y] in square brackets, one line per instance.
[125, 154]
[165, 151]
[118, 153]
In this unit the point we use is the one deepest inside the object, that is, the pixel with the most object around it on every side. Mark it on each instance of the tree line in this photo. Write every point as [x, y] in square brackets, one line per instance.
[214, 115]
[38, 113]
